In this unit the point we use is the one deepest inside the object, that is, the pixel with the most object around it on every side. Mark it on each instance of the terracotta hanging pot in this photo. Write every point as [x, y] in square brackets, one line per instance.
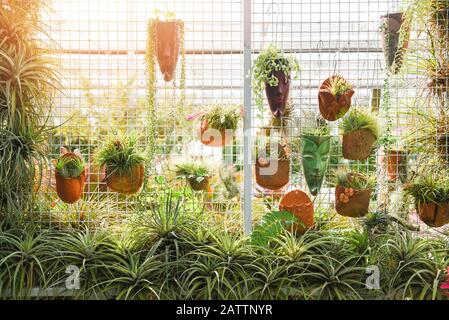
[434, 215]
[199, 186]
[315, 157]
[390, 37]
[273, 174]
[299, 204]
[278, 95]
[70, 190]
[358, 144]
[396, 163]
[215, 138]
[333, 107]
[168, 37]
[351, 202]
[126, 184]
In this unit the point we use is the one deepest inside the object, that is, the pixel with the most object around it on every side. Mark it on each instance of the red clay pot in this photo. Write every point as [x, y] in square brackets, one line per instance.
[352, 203]
[199, 186]
[298, 203]
[70, 189]
[390, 36]
[213, 137]
[333, 107]
[278, 95]
[396, 163]
[358, 144]
[434, 215]
[278, 179]
[168, 36]
[126, 184]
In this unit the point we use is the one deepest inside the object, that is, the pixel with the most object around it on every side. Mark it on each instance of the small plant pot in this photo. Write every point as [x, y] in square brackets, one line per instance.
[299, 204]
[70, 190]
[390, 36]
[126, 184]
[168, 37]
[332, 107]
[215, 138]
[352, 203]
[358, 144]
[276, 177]
[277, 96]
[396, 164]
[434, 215]
[199, 186]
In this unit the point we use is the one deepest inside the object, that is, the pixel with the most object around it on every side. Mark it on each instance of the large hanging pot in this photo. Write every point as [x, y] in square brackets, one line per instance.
[315, 157]
[126, 184]
[215, 138]
[333, 107]
[390, 36]
[273, 174]
[432, 214]
[299, 204]
[396, 163]
[278, 95]
[168, 37]
[352, 202]
[358, 144]
[70, 190]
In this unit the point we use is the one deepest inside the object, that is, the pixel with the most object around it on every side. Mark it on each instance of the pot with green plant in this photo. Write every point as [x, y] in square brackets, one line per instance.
[335, 97]
[352, 193]
[197, 175]
[360, 132]
[123, 163]
[272, 166]
[431, 196]
[395, 161]
[219, 124]
[70, 177]
[272, 72]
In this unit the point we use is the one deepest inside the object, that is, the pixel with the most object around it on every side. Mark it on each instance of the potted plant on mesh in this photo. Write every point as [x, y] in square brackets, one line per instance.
[299, 204]
[196, 174]
[219, 124]
[352, 193]
[272, 166]
[335, 97]
[395, 161]
[431, 196]
[70, 177]
[123, 163]
[272, 72]
[360, 132]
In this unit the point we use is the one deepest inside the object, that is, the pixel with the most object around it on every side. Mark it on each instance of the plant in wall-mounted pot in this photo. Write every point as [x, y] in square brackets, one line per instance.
[218, 125]
[395, 161]
[70, 177]
[272, 166]
[431, 195]
[272, 72]
[395, 35]
[123, 163]
[352, 193]
[360, 132]
[299, 204]
[197, 175]
[335, 97]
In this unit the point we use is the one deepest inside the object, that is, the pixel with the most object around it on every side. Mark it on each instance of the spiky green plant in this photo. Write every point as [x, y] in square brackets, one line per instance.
[223, 117]
[197, 171]
[348, 179]
[338, 86]
[360, 120]
[429, 189]
[273, 225]
[70, 167]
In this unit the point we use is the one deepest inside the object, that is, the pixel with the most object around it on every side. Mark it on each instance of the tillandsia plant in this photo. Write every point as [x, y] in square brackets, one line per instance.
[334, 97]
[272, 72]
[431, 195]
[360, 132]
[123, 162]
[197, 175]
[352, 193]
[70, 177]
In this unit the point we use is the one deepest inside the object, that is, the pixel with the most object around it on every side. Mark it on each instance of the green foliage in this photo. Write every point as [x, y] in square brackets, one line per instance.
[356, 181]
[429, 189]
[197, 171]
[221, 117]
[273, 224]
[314, 125]
[70, 167]
[358, 120]
[338, 86]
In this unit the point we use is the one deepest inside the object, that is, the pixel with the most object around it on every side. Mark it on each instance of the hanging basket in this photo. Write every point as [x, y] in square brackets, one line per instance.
[70, 190]
[277, 96]
[167, 42]
[393, 50]
[358, 144]
[126, 184]
[396, 164]
[199, 186]
[279, 177]
[215, 138]
[299, 204]
[434, 215]
[351, 202]
[332, 107]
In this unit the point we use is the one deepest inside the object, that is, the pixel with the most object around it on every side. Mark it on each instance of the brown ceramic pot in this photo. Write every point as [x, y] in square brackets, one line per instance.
[390, 36]
[333, 107]
[277, 96]
[126, 184]
[299, 204]
[434, 215]
[396, 163]
[70, 190]
[358, 144]
[213, 137]
[280, 176]
[199, 186]
[352, 203]
[168, 37]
